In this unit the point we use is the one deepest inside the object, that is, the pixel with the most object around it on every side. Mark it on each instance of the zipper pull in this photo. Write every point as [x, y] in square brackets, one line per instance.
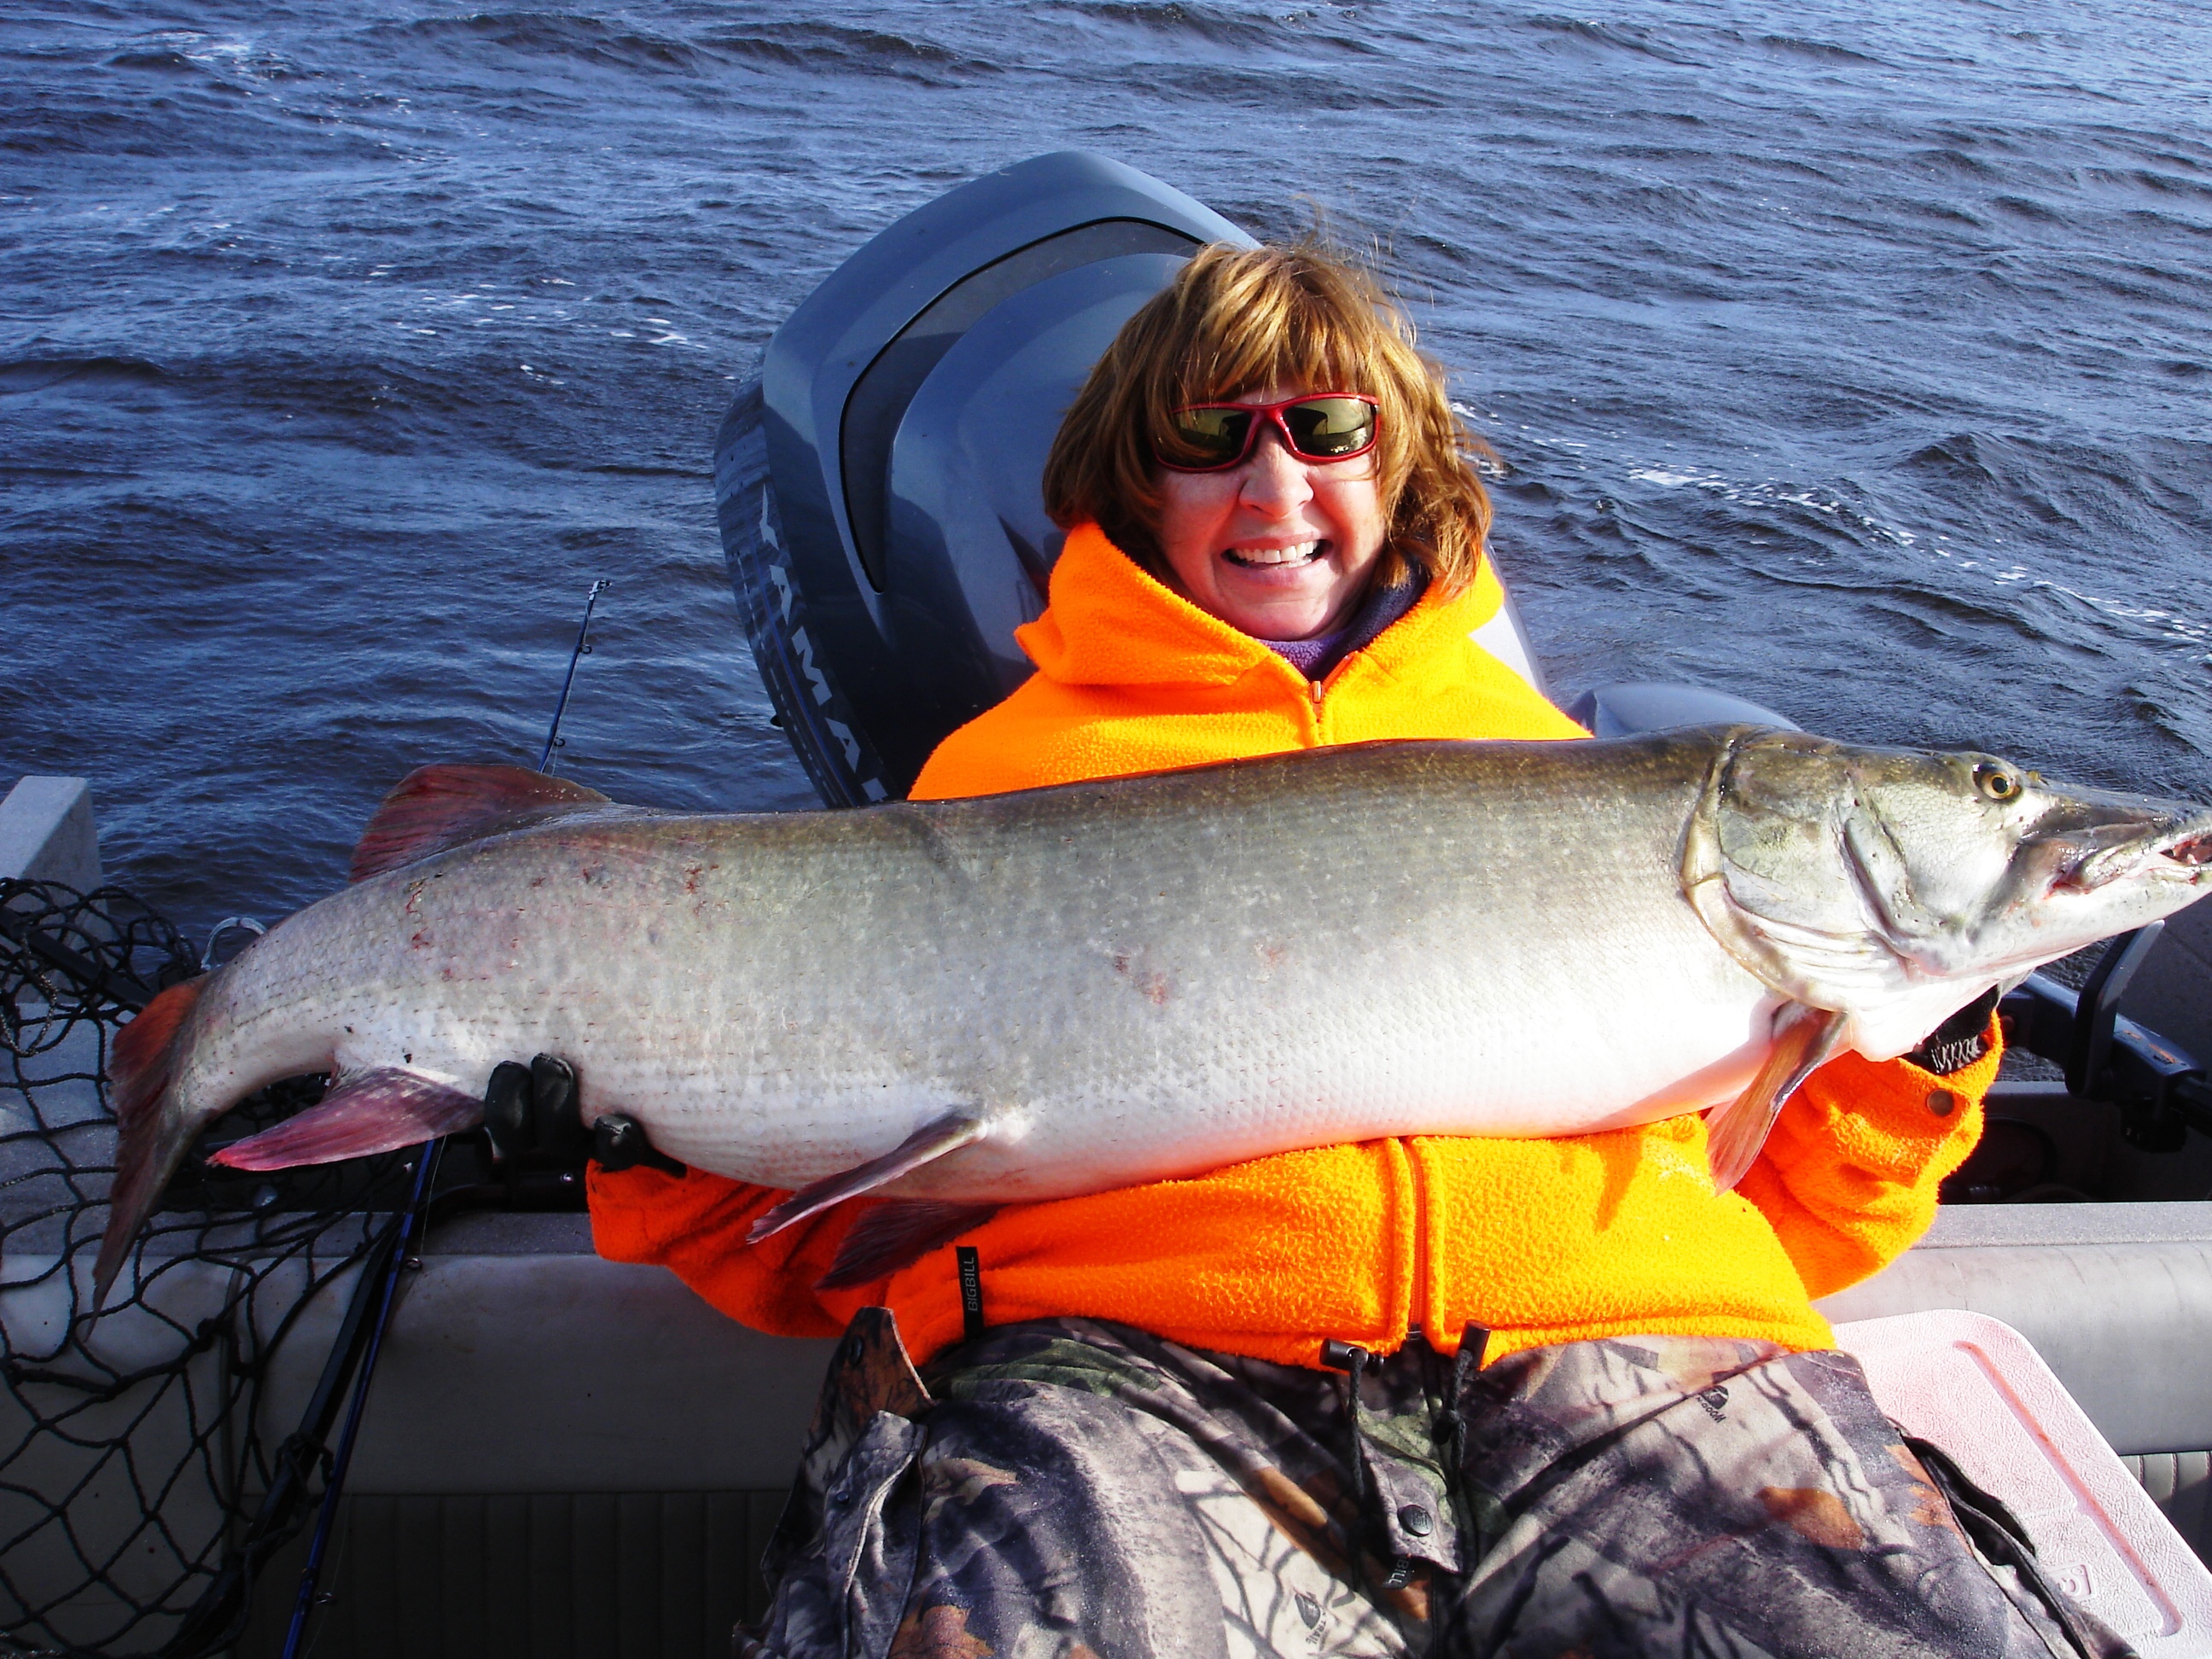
[1315, 686]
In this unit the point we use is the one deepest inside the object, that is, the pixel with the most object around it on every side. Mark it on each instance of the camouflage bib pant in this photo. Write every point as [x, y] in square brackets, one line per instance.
[1069, 1489]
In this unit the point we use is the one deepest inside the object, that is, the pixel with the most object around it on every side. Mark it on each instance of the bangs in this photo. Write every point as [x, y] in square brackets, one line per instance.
[1246, 335]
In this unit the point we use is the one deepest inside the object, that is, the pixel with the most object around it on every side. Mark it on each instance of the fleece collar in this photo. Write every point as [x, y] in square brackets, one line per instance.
[1110, 623]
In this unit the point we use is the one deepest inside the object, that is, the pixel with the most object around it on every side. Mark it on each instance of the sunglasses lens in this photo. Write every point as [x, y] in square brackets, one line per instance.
[1324, 427]
[1213, 435]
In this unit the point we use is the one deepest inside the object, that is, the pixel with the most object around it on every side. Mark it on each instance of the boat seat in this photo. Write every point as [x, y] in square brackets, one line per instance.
[2115, 1298]
[661, 1445]
[2180, 1484]
[1975, 1387]
[560, 1448]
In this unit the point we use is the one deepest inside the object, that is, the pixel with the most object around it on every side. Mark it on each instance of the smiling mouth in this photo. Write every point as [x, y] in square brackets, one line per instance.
[1275, 558]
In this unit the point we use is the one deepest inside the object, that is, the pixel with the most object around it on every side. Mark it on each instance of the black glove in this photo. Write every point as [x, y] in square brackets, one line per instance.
[532, 1113]
[1959, 1041]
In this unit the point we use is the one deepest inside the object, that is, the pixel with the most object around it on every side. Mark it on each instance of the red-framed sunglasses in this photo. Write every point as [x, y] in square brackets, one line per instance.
[1321, 426]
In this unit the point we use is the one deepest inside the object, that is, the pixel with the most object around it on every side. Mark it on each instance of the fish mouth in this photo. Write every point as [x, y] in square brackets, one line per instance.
[2117, 852]
[2194, 850]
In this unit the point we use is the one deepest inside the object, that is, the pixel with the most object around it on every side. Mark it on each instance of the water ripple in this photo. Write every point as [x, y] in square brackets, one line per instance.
[1847, 357]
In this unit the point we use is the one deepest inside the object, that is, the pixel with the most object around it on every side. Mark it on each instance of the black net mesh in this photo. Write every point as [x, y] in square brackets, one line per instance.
[139, 1443]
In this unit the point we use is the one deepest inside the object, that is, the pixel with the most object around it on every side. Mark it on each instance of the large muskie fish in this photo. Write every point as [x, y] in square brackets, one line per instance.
[1039, 994]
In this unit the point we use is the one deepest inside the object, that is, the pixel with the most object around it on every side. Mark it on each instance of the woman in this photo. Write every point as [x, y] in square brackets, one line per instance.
[1424, 1396]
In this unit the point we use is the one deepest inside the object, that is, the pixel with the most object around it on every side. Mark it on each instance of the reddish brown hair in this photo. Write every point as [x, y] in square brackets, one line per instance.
[1237, 320]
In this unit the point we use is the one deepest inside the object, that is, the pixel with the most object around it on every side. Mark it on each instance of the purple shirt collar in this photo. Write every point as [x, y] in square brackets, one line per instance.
[1316, 657]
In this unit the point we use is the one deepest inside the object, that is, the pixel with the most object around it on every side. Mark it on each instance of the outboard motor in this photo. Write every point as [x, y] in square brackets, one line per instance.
[878, 484]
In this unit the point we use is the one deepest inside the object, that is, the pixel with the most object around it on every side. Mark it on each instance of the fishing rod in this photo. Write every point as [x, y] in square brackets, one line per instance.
[583, 645]
[219, 1618]
[405, 1233]
[220, 1614]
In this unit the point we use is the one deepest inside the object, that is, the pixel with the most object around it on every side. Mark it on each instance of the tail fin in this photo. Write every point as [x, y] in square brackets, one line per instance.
[150, 1138]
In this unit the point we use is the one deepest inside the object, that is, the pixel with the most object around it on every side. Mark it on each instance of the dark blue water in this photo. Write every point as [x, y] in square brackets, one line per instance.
[1850, 356]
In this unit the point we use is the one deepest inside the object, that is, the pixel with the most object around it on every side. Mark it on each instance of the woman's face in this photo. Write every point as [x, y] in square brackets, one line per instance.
[1278, 546]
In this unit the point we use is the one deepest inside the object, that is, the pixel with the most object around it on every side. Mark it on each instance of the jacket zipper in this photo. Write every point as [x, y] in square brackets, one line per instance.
[1417, 1304]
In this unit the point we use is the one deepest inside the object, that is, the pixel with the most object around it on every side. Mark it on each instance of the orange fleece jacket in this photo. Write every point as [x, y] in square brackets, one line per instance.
[1538, 1241]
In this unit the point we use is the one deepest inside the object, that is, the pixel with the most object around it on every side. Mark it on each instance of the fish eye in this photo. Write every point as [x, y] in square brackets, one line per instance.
[1999, 783]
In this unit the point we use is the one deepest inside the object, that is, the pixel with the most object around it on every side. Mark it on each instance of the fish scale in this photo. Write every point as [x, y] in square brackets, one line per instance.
[1051, 992]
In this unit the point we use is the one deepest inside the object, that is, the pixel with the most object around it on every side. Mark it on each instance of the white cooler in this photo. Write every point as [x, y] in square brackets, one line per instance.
[1974, 1386]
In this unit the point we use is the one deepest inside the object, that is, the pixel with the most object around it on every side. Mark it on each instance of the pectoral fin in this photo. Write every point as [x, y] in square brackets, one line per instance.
[931, 1141]
[1804, 1038]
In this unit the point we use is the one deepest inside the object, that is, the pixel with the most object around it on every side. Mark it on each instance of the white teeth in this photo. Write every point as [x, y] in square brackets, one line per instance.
[1297, 555]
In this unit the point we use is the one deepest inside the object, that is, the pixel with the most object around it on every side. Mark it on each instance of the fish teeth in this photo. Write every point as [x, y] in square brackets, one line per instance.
[2195, 850]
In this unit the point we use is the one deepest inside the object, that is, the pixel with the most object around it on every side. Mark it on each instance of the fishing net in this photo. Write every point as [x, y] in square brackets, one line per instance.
[154, 1453]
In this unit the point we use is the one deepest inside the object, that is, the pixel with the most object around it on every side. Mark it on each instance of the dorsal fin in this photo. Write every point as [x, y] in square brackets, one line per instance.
[435, 808]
